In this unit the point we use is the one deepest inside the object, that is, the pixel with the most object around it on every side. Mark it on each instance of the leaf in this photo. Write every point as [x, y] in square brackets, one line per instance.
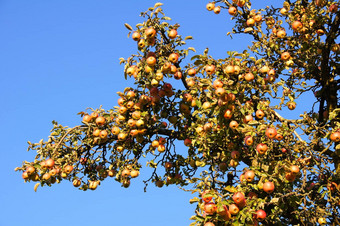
[248, 29]
[192, 49]
[230, 189]
[128, 26]
[36, 186]
[188, 37]
[158, 4]
[193, 200]
[166, 18]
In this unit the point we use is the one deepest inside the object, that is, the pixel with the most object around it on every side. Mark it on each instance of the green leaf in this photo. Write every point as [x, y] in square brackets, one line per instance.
[188, 37]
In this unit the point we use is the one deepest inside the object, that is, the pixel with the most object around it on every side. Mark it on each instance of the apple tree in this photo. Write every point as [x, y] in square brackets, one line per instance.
[246, 162]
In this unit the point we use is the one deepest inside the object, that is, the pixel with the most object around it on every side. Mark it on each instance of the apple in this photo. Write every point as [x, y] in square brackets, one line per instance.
[291, 105]
[249, 175]
[285, 56]
[335, 136]
[281, 33]
[232, 10]
[172, 33]
[259, 114]
[233, 209]
[261, 148]
[258, 18]
[210, 6]
[235, 154]
[173, 58]
[322, 221]
[209, 224]
[134, 173]
[297, 26]
[260, 215]
[191, 72]
[249, 140]
[136, 36]
[217, 9]
[233, 124]
[49, 163]
[268, 187]
[100, 121]
[206, 197]
[248, 118]
[249, 77]
[228, 114]
[238, 198]
[150, 32]
[271, 132]
[151, 61]
[210, 208]
[250, 22]
[210, 69]
[87, 118]
[294, 169]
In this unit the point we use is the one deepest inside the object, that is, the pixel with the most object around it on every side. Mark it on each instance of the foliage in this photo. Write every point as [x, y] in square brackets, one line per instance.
[247, 163]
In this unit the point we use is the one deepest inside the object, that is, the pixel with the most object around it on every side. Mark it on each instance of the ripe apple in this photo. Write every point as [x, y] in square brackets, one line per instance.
[100, 121]
[250, 22]
[210, 208]
[76, 182]
[249, 175]
[232, 10]
[335, 136]
[261, 148]
[294, 169]
[260, 215]
[172, 33]
[49, 163]
[297, 26]
[217, 9]
[151, 61]
[235, 154]
[285, 56]
[233, 209]
[248, 118]
[210, 6]
[68, 169]
[161, 148]
[233, 124]
[209, 224]
[322, 221]
[249, 77]
[210, 69]
[268, 187]
[249, 140]
[136, 36]
[258, 18]
[173, 58]
[206, 197]
[291, 105]
[271, 132]
[134, 173]
[87, 118]
[259, 114]
[238, 198]
[191, 72]
[150, 32]
[281, 33]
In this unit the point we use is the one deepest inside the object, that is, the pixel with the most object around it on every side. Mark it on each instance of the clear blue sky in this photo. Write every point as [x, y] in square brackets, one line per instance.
[58, 58]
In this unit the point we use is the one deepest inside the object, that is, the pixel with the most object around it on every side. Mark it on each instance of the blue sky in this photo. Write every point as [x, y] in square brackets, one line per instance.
[60, 57]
